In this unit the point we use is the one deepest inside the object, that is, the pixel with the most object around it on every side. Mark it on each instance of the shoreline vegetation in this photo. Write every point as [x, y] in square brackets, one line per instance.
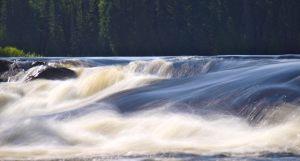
[10, 51]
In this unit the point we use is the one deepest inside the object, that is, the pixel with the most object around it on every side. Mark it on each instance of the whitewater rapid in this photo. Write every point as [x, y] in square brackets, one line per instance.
[206, 106]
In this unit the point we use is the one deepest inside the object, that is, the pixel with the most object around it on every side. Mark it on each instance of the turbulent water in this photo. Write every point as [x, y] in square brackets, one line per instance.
[160, 108]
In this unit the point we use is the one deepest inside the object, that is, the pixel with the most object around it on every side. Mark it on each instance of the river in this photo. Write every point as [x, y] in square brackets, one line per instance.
[154, 108]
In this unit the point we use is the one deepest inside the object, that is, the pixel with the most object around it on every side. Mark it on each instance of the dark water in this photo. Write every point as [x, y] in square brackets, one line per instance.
[153, 108]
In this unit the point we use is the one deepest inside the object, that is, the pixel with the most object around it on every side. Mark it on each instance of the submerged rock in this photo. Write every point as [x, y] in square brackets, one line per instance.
[11, 69]
[7, 70]
[52, 73]
[4, 66]
[38, 63]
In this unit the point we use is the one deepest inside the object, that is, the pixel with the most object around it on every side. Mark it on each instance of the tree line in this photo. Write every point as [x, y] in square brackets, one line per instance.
[150, 27]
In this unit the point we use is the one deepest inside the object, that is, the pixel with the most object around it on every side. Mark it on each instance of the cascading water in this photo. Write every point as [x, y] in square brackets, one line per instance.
[231, 107]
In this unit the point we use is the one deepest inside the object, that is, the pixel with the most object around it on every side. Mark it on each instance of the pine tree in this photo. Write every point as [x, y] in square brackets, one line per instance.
[3, 21]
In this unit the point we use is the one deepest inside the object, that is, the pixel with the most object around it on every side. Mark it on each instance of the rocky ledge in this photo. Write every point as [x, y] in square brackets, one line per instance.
[9, 69]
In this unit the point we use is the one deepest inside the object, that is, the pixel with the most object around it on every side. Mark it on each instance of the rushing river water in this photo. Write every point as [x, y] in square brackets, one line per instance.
[160, 108]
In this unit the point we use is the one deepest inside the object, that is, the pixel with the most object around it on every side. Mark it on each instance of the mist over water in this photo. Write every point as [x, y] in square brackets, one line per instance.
[155, 108]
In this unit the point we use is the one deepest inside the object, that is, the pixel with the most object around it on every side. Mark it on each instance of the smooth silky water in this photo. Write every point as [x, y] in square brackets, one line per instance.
[155, 108]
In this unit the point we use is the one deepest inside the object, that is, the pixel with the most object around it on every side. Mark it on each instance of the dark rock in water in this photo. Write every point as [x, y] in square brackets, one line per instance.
[7, 70]
[4, 66]
[38, 63]
[52, 73]
[25, 65]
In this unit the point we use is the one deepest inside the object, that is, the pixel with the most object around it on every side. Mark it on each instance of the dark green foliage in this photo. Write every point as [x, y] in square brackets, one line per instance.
[151, 27]
[14, 52]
